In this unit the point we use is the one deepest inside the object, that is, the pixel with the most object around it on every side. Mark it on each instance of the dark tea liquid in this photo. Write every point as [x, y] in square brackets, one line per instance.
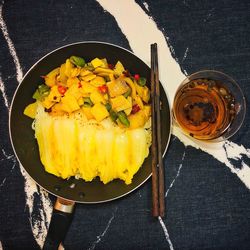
[204, 108]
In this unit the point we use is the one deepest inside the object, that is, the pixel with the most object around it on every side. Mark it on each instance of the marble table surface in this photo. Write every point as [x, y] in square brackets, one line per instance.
[207, 188]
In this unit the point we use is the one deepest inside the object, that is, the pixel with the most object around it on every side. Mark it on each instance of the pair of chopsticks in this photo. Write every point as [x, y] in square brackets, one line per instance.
[158, 194]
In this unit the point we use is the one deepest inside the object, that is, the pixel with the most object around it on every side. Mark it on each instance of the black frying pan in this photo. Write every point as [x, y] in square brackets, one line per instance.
[26, 148]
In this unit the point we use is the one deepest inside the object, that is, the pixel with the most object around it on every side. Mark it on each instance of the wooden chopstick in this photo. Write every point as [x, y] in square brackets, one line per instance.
[158, 192]
[155, 193]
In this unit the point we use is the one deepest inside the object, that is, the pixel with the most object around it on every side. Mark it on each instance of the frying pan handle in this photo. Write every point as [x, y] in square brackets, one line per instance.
[59, 224]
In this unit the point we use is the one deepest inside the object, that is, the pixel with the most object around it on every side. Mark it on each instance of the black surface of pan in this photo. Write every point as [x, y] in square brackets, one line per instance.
[25, 144]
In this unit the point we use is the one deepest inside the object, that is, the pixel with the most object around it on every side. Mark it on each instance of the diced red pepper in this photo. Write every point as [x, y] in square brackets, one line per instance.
[137, 77]
[79, 85]
[135, 109]
[103, 89]
[111, 66]
[62, 89]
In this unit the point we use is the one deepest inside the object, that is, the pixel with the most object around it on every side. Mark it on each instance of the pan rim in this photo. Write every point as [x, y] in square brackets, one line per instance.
[10, 112]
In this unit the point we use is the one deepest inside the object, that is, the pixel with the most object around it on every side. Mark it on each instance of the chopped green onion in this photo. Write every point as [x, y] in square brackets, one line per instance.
[87, 102]
[142, 81]
[113, 115]
[41, 92]
[128, 93]
[108, 106]
[78, 61]
[123, 118]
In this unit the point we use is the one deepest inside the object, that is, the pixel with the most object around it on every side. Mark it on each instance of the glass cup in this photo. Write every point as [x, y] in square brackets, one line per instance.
[209, 105]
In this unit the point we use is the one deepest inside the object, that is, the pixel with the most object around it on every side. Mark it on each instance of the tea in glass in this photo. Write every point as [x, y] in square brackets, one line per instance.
[207, 105]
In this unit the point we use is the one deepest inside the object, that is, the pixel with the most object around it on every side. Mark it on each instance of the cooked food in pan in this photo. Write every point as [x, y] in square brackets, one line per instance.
[92, 119]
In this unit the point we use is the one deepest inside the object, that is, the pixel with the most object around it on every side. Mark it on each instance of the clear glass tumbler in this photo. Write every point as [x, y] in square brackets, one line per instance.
[209, 105]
